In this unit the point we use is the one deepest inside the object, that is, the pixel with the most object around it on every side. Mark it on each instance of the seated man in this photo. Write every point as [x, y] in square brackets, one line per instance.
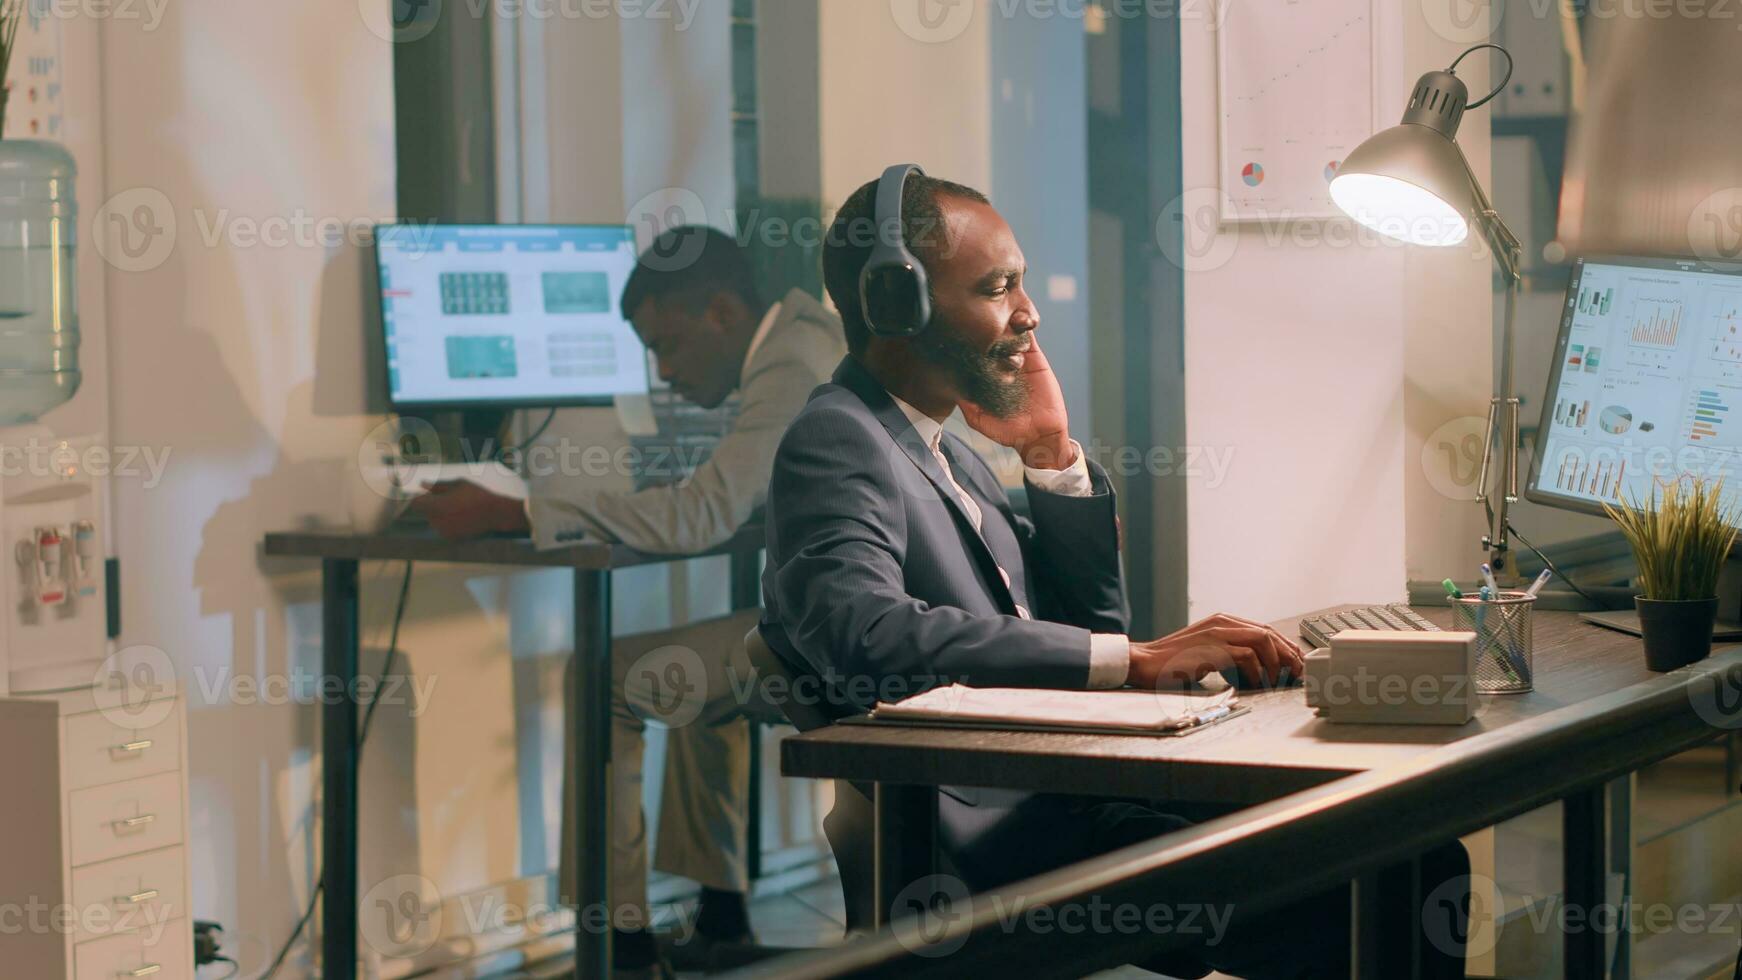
[711, 334]
[894, 555]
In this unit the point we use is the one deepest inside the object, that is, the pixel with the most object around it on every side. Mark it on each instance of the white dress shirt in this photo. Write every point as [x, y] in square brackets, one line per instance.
[1109, 653]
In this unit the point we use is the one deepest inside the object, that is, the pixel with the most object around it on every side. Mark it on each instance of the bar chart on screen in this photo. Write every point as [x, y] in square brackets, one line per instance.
[1707, 412]
[1656, 323]
[1589, 475]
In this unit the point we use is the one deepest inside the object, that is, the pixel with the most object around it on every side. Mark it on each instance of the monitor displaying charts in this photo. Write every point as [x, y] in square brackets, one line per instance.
[1647, 382]
[503, 315]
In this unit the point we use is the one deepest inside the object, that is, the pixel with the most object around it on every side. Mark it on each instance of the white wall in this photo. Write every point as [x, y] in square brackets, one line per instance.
[889, 97]
[1294, 374]
[1449, 319]
[225, 118]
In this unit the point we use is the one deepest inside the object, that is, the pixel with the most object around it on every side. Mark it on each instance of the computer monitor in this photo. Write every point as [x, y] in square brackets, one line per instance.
[1646, 384]
[506, 316]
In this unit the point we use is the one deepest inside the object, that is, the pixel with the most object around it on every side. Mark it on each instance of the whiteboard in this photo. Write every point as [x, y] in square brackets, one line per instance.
[1296, 84]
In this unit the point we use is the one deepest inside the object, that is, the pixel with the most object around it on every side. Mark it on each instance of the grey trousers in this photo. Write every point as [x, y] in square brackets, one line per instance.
[694, 680]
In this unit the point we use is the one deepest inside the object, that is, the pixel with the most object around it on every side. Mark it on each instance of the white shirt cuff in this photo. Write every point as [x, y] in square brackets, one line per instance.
[1072, 481]
[1109, 660]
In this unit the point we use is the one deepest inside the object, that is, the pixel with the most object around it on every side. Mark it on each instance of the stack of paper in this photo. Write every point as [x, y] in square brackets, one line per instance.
[997, 707]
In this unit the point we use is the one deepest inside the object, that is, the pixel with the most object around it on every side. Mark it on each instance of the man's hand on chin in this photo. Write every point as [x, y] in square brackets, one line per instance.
[459, 509]
[1040, 433]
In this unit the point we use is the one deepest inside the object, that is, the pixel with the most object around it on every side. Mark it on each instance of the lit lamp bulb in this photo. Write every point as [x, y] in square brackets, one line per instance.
[1410, 182]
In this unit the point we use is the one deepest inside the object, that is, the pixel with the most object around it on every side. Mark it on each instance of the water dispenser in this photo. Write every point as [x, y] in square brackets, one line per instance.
[53, 608]
[39, 317]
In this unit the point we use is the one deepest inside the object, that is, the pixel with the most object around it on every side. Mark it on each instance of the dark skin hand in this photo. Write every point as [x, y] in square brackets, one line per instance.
[460, 509]
[1207, 646]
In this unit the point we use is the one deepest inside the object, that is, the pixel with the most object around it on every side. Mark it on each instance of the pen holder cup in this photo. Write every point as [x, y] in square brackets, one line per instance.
[1504, 664]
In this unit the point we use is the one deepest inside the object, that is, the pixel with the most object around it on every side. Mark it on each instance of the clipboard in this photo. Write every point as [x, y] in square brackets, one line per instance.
[867, 719]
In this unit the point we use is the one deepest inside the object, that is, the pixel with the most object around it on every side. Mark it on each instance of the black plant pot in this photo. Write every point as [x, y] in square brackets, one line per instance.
[1677, 632]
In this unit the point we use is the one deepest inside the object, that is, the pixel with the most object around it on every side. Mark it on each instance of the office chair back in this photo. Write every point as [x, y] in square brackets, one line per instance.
[850, 823]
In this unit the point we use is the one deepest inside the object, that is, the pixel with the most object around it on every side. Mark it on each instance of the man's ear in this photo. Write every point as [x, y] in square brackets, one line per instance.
[725, 310]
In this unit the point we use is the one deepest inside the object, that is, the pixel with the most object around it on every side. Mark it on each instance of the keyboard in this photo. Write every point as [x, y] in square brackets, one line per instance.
[1318, 630]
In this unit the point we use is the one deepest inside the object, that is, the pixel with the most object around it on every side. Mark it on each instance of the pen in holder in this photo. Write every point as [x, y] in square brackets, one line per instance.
[1503, 632]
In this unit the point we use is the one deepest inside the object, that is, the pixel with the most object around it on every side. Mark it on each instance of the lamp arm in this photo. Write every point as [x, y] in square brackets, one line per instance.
[1503, 410]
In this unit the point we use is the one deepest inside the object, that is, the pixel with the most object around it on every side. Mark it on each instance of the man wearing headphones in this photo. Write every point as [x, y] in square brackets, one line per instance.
[896, 563]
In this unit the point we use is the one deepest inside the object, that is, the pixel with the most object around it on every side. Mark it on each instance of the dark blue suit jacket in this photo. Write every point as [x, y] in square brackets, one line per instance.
[878, 582]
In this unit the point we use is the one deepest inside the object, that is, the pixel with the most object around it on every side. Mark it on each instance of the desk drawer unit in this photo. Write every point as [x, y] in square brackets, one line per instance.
[94, 836]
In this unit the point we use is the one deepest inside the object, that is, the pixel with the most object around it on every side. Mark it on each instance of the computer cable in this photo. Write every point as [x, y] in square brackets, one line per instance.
[529, 440]
[1549, 563]
[362, 734]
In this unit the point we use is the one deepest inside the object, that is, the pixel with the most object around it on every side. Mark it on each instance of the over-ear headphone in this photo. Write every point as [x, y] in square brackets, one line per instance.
[893, 288]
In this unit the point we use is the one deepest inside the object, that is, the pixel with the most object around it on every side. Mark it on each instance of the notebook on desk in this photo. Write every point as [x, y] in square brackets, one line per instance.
[1029, 709]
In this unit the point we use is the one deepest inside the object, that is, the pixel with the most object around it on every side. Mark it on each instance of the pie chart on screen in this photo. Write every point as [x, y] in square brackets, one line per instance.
[1252, 174]
[1615, 420]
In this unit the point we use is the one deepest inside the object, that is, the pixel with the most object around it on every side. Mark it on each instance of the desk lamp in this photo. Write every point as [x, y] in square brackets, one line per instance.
[1412, 183]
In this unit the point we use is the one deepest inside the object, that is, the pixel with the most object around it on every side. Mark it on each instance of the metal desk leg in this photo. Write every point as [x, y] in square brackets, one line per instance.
[906, 818]
[747, 594]
[1584, 846]
[339, 769]
[590, 726]
[1388, 931]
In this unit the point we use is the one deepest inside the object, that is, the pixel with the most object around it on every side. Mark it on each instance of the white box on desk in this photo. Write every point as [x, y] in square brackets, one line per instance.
[1394, 677]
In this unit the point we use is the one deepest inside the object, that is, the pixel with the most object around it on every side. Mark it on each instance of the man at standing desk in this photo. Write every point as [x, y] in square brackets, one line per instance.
[894, 556]
[711, 334]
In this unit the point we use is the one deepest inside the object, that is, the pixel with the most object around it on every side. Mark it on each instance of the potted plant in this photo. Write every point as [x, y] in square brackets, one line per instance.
[1680, 543]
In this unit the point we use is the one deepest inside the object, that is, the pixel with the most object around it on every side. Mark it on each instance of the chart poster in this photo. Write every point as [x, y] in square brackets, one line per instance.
[34, 109]
[1295, 97]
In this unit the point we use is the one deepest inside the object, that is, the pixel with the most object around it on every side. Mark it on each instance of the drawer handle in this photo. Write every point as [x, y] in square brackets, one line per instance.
[144, 971]
[130, 748]
[132, 822]
[144, 896]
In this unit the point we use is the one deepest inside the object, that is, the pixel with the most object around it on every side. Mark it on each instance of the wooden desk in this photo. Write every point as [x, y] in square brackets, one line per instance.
[1281, 747]
[590, 722]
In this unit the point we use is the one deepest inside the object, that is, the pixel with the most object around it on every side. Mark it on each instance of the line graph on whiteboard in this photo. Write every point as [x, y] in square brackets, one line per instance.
[1295, 95]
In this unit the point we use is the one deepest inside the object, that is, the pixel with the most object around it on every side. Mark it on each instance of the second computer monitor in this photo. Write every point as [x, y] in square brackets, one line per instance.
[507, 316]
[1647, 383]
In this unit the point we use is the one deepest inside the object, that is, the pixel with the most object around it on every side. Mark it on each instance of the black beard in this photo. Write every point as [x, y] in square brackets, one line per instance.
[979, 375]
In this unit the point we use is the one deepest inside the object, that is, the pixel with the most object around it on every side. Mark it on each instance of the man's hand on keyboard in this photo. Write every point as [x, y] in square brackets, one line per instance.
[1209, 645]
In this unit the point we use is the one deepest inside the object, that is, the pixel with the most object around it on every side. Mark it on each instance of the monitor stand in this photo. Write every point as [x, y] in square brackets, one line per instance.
[1627, 621]
[1729, 608]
